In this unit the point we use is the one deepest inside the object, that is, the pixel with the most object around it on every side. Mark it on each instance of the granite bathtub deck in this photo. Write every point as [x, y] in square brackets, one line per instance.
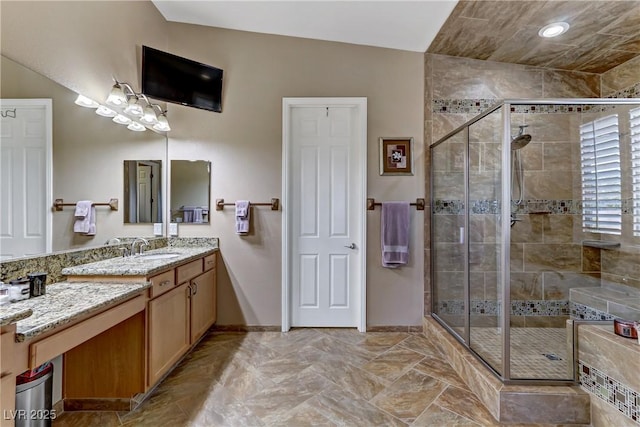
[65, 302]
[139, 266]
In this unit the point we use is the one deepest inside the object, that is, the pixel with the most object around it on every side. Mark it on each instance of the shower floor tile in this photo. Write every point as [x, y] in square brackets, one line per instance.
[536, 353]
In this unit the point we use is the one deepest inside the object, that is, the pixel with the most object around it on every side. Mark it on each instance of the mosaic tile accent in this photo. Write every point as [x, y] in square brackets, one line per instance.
[462, 106]
[555, 207]
[630, 92]
[518, 307]
[617, 394]
[477, 106]
[584, 312]
[448, 207]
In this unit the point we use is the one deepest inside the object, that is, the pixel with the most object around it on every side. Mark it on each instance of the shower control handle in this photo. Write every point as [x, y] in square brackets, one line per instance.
[351, 246]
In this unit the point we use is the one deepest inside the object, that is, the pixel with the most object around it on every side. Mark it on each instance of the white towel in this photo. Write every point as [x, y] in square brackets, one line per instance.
[242, 216]
[197, 215]
[92, 222]
[82, 223]
[82, 209]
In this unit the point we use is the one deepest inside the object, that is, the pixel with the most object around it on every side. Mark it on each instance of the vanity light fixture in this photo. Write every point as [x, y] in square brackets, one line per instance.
[122, 119]
[163, 123]
[149, 116]
[127, 107]
[134, 108]
[83, 101]
[135, 126]
[105, 111]
[553, 29]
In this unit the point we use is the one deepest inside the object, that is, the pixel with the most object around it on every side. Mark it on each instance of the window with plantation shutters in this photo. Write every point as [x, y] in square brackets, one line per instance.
[601, 176]
[634, 119]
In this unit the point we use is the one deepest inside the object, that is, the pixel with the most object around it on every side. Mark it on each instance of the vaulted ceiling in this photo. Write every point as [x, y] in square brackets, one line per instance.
[603, 33]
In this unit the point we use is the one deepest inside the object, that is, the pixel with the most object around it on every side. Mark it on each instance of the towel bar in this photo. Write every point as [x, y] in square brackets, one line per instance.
[59, 203]
[275, 204]
[371, 204]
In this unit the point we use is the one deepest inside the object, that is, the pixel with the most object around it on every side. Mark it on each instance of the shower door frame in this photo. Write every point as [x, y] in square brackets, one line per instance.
[505, 227]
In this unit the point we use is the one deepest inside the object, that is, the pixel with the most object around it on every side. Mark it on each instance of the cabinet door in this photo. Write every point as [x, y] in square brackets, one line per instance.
[168, 330]
[203, 303]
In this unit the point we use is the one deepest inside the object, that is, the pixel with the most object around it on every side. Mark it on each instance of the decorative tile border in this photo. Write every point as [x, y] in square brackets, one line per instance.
[584, 312]
[518, 307]
[492, 207]
[477, 106]
[619, 395]
[630, 92]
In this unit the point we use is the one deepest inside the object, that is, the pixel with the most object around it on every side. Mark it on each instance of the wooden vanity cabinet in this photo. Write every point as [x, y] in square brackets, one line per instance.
[203, 304]
[178, 317]
[168, 330]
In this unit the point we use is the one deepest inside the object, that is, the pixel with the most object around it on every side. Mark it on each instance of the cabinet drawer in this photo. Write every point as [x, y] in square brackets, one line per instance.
[209, 262]
[189, 271]
[162, 283]
[6, 346]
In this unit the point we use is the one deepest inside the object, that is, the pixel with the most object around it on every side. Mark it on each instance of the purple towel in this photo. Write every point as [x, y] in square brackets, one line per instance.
[395, 234]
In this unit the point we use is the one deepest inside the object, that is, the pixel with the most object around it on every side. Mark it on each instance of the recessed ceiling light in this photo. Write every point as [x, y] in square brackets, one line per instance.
[554, 29]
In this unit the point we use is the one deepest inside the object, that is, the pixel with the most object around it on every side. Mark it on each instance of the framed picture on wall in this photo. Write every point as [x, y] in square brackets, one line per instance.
[396, 156]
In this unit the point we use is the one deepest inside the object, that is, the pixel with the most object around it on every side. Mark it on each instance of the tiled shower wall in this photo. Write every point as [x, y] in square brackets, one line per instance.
[457, 89]
[623, 266]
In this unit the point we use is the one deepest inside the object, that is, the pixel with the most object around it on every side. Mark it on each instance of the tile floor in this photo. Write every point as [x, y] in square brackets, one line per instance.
[320, 377]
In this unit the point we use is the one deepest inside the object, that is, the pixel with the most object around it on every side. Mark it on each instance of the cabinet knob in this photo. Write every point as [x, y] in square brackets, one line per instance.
[195, 288]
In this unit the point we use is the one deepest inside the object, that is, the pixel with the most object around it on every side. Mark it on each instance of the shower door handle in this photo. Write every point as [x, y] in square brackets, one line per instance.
[351, 246]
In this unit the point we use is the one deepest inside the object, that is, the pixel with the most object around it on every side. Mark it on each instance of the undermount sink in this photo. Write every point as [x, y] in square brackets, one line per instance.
[158, 256]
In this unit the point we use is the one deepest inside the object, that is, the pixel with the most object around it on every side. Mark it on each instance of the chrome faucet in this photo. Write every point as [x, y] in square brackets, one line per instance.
[143, 243]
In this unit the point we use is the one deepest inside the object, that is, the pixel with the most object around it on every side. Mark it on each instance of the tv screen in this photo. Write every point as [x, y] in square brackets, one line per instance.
[179, 80]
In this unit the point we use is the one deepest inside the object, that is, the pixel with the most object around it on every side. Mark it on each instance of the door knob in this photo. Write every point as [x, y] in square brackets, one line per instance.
[351, 246]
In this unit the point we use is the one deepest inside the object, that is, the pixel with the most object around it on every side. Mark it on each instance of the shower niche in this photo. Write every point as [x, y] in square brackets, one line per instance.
[514, 194]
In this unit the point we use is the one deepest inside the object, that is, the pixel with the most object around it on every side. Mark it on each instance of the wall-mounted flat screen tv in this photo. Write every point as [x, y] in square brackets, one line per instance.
[171, 78]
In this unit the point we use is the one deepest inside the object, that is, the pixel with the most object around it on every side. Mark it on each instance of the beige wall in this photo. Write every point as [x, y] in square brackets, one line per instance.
[244, 144]
[83, 44]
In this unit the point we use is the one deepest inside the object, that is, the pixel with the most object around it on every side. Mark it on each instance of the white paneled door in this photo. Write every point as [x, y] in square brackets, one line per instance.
[25, 177]
[325, 205]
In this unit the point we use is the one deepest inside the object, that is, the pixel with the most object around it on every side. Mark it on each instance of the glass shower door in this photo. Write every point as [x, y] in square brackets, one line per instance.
[447, 231]
[485, 197]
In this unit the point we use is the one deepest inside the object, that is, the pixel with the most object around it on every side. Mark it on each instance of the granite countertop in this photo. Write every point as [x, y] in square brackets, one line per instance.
[139, 266]
[11, 313]
[65, 302]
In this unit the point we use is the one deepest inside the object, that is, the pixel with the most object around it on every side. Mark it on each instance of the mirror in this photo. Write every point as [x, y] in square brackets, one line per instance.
[142, 191]
[87, 161]
[190, 189]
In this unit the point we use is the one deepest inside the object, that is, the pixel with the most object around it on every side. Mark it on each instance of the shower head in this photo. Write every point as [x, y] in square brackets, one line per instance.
[520, 141]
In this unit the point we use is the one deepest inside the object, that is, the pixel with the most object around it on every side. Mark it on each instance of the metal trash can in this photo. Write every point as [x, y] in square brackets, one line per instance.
[34, 396]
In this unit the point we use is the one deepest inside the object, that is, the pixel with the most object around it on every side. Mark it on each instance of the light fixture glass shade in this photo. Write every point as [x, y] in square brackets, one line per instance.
[553, 30]
[122, 120]
[133, 107]
[137, 127]
[83, 101]
[149, 116]
[116, 96]
[163, 124]
[105, 111]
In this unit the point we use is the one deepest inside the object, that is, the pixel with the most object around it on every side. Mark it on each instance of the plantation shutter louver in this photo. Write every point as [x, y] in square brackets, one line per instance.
[601, 176]
[634, 119]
